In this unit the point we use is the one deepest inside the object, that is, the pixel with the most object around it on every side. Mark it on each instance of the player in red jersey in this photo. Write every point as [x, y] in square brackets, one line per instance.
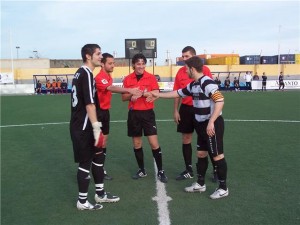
[141, 116]
[184, 117]
[105, 87]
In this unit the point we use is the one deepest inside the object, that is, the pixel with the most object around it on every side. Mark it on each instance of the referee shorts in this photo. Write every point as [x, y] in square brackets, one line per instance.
[214, 145]
[103, 116]
[140, 121]
[187, 119]
[83, 145]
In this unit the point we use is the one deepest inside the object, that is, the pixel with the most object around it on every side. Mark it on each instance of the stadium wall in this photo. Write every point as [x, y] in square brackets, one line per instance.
[166, 73]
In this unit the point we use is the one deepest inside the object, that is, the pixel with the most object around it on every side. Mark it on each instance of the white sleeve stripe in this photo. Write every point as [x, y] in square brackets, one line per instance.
[90, 85]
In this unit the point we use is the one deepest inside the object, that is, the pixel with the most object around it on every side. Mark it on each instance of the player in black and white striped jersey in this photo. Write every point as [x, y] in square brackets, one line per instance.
[208, 103]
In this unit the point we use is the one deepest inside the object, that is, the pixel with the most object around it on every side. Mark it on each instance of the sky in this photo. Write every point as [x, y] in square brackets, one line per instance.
[59, 29]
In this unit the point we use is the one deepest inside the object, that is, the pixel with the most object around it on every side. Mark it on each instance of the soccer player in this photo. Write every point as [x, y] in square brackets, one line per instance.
[141, 116]
[184, 117]
[208, 104]
[105, 87]
[85, 131]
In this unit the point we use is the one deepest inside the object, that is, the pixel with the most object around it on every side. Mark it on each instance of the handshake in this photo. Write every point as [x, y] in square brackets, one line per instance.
[137, 93]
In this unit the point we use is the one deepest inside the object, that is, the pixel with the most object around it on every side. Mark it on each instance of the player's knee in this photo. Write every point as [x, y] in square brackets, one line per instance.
[202, 154]
[219, 157]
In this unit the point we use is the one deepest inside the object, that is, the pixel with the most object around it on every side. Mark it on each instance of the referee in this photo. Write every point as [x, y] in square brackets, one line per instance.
[141, 116]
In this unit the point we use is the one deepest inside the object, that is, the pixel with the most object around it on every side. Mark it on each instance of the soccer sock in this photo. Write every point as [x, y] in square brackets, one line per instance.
[222, 173]
[104, 153]
[213, 163]
[187, 156]
[98, 173]
[83, 180]
[139, 155]
[158, 158]
[201, 170]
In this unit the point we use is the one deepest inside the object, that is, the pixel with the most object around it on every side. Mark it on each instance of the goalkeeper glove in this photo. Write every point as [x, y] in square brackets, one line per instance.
[98, 134]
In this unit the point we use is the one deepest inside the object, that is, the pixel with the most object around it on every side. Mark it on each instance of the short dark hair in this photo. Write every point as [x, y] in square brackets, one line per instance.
[88, 49]
[105, 56]
[189, 49]
[138, 56]
[195, 62]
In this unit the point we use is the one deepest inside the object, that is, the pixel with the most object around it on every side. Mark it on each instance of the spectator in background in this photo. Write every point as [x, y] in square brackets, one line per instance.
[184, 115]
[38, 88]
[264, 82]
[64, 87]
[256, 77]
[218, 82]
[248, 79]
[236, 84]
[227, 84]
[54, 86]
[59, 86]
[48, 87]
[281, 82]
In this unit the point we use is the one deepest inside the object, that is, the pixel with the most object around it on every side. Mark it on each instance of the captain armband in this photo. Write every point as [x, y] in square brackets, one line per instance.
[217, 97]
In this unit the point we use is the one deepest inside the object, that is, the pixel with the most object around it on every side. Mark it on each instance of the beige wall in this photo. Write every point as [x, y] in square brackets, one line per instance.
[165, 72]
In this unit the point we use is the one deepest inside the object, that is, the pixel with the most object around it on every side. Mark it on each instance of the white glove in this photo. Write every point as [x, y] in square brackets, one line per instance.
[98, 134]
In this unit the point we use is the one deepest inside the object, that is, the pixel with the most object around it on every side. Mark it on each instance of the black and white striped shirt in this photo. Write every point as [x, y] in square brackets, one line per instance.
[202, 92]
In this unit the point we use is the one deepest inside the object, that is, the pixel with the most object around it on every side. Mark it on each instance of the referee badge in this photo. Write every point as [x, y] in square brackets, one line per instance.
[104, 81]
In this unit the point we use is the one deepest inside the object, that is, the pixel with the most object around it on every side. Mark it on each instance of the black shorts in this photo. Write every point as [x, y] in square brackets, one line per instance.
[213, 145]
[103, 116]
[140, 121]
[187, 122]
[83, 145]
[264, 83]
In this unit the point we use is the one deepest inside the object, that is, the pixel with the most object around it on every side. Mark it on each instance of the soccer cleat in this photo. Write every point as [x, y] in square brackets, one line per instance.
[195, 187]
[162, 176]
[185, 175]
[219, 193]
[88, 206]
[139, 174]
[106, 197]
[107, 177]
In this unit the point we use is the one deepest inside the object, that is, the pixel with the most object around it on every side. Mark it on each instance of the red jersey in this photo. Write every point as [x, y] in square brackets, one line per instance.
[148, 82]
[182, 80]
[103, 81]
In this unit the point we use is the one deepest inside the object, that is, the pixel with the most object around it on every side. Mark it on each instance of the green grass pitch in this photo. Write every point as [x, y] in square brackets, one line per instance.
[262, 139]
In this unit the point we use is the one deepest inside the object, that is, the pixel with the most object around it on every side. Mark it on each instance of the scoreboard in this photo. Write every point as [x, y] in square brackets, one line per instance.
[146, 46]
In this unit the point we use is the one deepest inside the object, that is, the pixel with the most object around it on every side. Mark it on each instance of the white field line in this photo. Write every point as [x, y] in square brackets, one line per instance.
[162, 200]
[166, 120]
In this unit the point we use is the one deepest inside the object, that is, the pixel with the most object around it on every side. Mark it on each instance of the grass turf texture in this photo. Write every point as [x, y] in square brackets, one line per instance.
[38, 175]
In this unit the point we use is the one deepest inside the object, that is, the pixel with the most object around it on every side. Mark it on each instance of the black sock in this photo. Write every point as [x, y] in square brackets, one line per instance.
[83, 180]
[201, 170]
[213, 163]
[139, 155]
[158, 158]
[187, 156]
[222, 173]
[98, 173]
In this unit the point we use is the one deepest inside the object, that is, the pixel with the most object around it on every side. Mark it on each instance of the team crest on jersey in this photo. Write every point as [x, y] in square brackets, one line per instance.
[104, 81]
